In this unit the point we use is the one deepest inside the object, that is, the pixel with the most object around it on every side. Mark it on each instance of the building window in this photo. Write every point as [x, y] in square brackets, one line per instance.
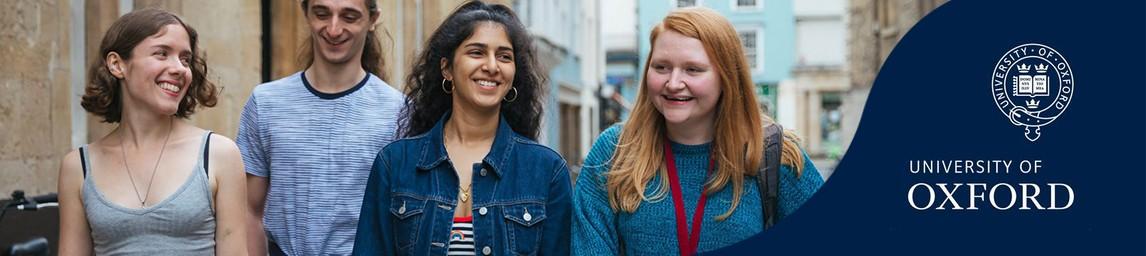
[751, 40]
[570, 133]
[748, 4]
[831, 118]
[768, 94]
[686, 3]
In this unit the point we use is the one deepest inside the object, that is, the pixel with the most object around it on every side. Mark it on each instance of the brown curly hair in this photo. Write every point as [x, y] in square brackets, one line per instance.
[102, 95]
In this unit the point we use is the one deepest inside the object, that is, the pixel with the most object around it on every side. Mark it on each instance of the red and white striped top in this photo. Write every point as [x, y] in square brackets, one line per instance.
[462, 237]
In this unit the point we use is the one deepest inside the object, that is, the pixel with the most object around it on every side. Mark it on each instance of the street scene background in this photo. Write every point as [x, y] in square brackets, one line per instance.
[813, 63]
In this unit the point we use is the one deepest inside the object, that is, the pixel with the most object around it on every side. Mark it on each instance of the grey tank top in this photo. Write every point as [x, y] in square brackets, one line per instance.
[181, 224]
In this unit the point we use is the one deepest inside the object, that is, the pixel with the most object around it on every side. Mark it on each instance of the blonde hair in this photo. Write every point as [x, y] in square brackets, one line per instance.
[739, 137]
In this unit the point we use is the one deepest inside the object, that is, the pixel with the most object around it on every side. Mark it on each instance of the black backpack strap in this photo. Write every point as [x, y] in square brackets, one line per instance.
[207, 152]
[768, 177]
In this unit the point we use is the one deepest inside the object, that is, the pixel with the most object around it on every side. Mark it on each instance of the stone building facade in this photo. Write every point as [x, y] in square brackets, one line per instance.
[874, 27]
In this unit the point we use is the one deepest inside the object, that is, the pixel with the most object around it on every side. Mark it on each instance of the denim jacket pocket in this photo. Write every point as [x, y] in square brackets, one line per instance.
[408, 216]
[523, 227]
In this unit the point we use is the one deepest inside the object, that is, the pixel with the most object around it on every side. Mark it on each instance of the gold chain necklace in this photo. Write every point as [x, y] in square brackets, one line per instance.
[123, 152]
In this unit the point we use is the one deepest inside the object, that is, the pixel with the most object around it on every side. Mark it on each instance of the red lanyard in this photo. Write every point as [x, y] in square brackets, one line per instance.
[686, 242]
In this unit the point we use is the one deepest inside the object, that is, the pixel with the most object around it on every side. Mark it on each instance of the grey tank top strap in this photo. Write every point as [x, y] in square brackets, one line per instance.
[181, 224]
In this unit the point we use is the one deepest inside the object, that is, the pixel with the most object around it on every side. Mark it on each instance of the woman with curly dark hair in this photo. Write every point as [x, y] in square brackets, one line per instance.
[156, 184]
[470, 178]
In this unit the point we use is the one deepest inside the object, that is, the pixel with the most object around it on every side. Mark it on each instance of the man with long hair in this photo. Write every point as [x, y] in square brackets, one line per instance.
[308, 139]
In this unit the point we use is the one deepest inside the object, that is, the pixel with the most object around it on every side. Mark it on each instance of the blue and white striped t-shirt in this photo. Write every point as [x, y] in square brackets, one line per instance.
[316, 149]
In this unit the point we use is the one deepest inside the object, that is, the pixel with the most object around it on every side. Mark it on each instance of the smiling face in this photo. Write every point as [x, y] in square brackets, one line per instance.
[482, 69]
[681, 81]
[157, 75]
[338, 30]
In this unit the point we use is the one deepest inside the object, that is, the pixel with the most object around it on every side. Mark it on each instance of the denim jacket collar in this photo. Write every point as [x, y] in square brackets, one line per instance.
[434, 147]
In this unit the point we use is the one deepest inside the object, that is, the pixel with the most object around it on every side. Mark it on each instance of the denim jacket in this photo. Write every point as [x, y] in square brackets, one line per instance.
[521, 198]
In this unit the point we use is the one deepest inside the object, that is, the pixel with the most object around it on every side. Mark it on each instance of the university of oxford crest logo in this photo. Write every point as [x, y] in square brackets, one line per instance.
[1032, 85]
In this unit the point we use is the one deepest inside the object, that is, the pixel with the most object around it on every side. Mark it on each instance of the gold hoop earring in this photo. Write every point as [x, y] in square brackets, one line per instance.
[448, 91]
[514, 95]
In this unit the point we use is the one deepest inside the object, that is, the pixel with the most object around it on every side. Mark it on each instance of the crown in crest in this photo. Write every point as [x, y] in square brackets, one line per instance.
[1024, 68]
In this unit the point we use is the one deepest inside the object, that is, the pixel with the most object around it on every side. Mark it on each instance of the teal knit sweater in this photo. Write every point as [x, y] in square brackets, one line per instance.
[651, 230]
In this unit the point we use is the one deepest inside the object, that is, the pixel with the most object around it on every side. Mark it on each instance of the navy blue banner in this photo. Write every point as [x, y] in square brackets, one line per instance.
[1012, 127]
